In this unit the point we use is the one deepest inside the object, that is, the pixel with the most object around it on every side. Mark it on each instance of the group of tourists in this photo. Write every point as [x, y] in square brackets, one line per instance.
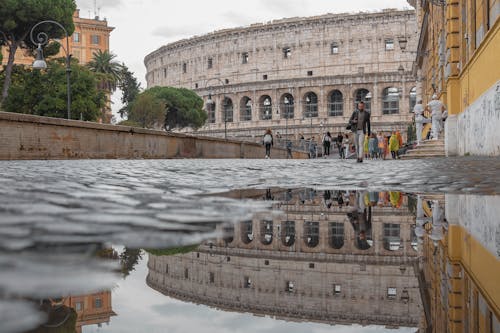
[365, 143]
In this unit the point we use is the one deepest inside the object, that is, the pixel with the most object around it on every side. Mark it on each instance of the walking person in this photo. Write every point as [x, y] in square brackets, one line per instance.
[418, 110]
[382, 146]
[340, 147]
[360, 126]
[289, 146]
[373, 146]
[268, 142]
[327, 142]
[346, 147]
[312, 148]
[436, 107]
[394, 145]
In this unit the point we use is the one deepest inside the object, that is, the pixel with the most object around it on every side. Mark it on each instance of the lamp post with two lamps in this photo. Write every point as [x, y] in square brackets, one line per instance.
[211, 103]
[42, 38]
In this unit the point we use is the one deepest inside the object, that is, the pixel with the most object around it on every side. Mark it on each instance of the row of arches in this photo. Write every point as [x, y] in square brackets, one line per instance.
[286, 105]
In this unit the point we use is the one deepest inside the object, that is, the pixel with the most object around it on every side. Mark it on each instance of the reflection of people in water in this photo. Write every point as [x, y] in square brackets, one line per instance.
[361, 221]
[269, 195]
[327, 199]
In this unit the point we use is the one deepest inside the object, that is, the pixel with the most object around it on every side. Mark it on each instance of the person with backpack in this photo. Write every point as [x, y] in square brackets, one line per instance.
[359, 124]
[267, 141]
[327, 141]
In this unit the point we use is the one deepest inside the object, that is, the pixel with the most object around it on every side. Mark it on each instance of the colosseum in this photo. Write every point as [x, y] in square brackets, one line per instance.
[297, 75]
[306, 264]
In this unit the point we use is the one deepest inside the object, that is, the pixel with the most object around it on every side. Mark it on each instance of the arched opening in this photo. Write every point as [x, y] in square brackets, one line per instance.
[413, 98]
[310, 105]
[287, 106]
[246, 109]
[246, 232]
[336, 104]
[392, 236]
[265, 108]
[363, 95]
[211, 112]
[311, 234]
[227, 110]
[266, 232]
[336, 235]
[288, 233]
[228, 233]
[390, 100]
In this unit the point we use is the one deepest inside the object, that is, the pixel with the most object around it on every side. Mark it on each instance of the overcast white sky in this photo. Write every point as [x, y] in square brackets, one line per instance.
[141, 26]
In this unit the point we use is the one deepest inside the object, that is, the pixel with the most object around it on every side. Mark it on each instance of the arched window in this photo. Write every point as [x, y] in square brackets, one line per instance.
[336, 104]
[288, 234]
[287, 106]
[246, 109]
[311, 234]
[413, 98]
[265, 108]
[390, 100]
[311, 105]
[246, 232]
[211, 112]
[363, 95]
[336, 235]
[266, 232]
[227, 115]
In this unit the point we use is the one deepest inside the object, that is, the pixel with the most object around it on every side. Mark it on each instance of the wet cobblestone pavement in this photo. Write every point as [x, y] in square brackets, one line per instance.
[56, 215]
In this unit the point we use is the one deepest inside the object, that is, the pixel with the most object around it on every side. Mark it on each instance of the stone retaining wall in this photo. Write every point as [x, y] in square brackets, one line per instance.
[26, 137]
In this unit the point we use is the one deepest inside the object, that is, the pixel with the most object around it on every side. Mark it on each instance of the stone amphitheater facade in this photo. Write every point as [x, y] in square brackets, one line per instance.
[297, 75]
[319, 276]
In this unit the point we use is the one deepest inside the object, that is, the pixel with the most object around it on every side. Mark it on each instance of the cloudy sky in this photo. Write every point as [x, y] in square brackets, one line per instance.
[141, 26]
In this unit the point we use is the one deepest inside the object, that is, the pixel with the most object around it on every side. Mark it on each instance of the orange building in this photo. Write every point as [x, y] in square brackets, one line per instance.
[90, 35]
[93, 309]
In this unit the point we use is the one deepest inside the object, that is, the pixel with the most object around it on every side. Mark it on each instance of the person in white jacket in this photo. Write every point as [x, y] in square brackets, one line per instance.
[436, 107]
[418, 110]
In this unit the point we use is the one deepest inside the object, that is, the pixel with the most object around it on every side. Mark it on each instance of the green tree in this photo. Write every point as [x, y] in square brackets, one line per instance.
[17, 17]
[43, 93]
[130, 89]
[184, 107]
[147, 111]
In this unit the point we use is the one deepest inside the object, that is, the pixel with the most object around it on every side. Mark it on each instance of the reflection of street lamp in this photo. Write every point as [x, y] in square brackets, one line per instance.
[39, 63]
[211, 102]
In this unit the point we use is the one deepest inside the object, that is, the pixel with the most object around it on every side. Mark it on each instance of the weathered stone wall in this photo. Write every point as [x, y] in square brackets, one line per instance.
[341, 53]
[32, 137]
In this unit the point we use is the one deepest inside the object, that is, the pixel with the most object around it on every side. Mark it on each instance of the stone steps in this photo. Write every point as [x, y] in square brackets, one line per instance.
[427, 149]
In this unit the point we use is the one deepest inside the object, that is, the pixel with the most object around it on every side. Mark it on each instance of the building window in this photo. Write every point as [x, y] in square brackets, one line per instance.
[265, 108]
[391, 293]
[164, 72]
[264, 77]
[390, 101]
[246, 109]
[78, 306]
[247, 282]
[337, 289]
[289, 234]
[166, 269]
[336, 235]
[97, 303]
[266, 262]
[309, 73]
[186, 273]
[211, 112]
[247, 232]
[184, 68]
[336, 104]
[311, 105]
[334, 48]
[226, 81]
[266, 231]
[228, 110]
[196, 86]
[413, 98]
[287, 105]
[363, 95]
[212, 277]
[289, 286]
[244, 58]
[389, 44]
[76, 37]
[96, 39]
[392, 238]
[311, 265]
[311, 233]
[287, 52]
[210, 63]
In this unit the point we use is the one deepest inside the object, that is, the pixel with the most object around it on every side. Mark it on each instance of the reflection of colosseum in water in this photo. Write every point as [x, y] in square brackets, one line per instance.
[306, 264]
[297, 75]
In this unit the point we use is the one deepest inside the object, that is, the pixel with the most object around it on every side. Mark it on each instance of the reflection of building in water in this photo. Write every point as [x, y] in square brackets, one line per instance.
[92, 309]
[461, 270]
[305, 264]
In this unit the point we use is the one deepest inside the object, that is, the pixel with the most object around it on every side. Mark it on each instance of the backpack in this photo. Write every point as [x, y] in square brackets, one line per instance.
[326, 138]
[268, 138]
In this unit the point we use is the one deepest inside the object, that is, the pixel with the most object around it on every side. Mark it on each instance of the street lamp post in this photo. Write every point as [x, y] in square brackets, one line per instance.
[211, 102]
[42, 39]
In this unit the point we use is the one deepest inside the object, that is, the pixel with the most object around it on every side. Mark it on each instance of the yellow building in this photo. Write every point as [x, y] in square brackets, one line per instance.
[458, 59]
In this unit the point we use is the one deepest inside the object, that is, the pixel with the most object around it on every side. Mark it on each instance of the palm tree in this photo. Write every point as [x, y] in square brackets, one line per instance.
[108, 72]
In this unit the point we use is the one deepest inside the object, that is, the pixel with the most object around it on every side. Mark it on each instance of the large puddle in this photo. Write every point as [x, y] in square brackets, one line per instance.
[249, 246]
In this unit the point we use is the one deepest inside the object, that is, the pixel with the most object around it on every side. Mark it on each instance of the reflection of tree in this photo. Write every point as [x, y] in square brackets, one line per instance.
[61, 319]
[128, 259]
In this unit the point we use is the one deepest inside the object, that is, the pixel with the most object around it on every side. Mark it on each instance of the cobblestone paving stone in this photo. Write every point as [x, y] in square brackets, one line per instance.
[53, 214]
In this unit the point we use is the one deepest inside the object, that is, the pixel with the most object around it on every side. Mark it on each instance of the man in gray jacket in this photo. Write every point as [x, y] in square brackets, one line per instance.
[360, 126]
